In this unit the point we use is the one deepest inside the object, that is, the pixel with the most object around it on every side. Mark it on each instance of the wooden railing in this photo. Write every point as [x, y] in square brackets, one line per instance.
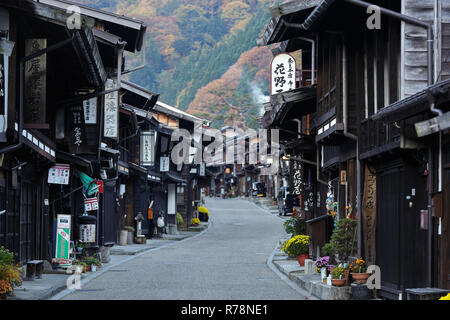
[376, 135]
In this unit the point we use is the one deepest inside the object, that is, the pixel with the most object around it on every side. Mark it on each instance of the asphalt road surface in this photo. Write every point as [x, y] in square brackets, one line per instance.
[227, 262]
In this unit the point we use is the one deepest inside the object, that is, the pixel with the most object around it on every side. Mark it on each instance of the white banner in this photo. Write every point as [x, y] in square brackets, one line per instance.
[59, 174]
[90, 111]
[283, 73]
[111, 121]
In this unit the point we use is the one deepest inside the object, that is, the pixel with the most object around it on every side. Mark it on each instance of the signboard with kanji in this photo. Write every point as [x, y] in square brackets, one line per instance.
[91, 204]
[90, 111]
[76, 125]
[63, 240]
[59, 174]
[35, 82]
[148, 140]
[164, 164]
[87, 233]
[111, 121]
[283, 73]
[296, 177]
[202, 169]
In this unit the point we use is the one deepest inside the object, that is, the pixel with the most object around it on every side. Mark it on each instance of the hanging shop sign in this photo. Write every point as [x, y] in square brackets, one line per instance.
[369, 214]
[164, 164]
[111, 120]
[59, 174]
[283, 70]
[35, 82]
[91, 204]
[63, 240]
[87, 233]
[90, 111]
[76, 124]
[148, 140]
[202, 169]
[296, 176]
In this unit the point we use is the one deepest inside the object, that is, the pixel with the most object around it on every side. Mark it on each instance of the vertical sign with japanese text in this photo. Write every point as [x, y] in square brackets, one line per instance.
[296, 176]
[369, 212]
[148, 140]
[111, 120]
[164, 164]
[90, 111]
[35, 82]
[76, 125]
[63, 240]
[283, 70]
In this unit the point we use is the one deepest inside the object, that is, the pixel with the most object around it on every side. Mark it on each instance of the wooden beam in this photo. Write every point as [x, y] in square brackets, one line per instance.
[46, 12]
[292, 6]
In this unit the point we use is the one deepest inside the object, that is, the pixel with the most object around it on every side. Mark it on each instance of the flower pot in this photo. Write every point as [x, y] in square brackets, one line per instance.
[88, 268]
[360, 277]
[84, 269]
[78, 268]
[323, 273]
[93, 268]
[301, 259]
[338, 282]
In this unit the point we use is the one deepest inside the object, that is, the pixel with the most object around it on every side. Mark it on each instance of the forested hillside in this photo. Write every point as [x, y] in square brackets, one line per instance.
[195, 46]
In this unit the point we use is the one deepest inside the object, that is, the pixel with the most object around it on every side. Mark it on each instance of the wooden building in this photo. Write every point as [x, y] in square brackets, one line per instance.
[57, 82]
[373, 86]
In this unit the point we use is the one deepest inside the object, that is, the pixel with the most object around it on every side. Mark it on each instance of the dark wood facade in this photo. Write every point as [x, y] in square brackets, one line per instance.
[372, 89]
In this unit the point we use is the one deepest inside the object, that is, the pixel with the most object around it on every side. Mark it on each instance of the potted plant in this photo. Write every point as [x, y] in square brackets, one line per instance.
[321, 266]
[338, 276]
[299, 246]
[343, 240]
[77, 265]
[10, 274]
[5, 289]
[179, 219]
[195, 222]
[358, 270]
[447, 297]
[92, 263]
[295, 226]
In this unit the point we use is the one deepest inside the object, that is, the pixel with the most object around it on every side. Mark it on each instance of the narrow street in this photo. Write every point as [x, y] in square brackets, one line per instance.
[228, 261]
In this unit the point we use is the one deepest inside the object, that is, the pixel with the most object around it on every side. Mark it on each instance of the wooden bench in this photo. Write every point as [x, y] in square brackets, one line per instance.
[425, 293]
[34, 269]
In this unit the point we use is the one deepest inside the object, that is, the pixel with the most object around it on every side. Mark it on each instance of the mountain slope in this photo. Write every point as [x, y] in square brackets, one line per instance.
[189, 44]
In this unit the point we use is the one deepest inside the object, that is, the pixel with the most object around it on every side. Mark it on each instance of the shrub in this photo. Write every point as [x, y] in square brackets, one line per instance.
[6, 257]
[296, 245]
[195, 221]
[179, 219]
[203, 209]
[343, 239]
[295, 226]
[11, 274]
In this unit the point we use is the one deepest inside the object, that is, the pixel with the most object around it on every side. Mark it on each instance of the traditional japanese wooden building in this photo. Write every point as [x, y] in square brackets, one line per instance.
[375, 87]
[57, 82]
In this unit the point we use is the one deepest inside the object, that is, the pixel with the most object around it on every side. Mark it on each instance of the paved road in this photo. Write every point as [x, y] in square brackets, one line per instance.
[226, 262]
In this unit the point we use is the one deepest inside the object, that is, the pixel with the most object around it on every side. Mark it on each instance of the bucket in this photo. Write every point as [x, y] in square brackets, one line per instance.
[123, 237]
